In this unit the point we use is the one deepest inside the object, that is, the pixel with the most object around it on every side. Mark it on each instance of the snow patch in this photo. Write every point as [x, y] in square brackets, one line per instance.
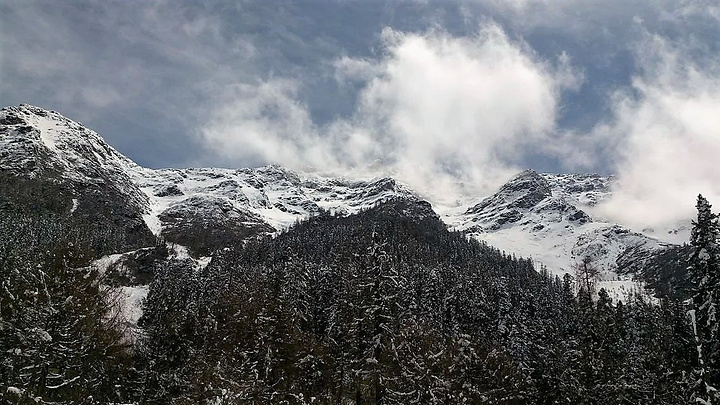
[623, 289]
[179, 252]
[132, 300]
[104, 263]
[42, 335]
[203, 262]
[47, 133]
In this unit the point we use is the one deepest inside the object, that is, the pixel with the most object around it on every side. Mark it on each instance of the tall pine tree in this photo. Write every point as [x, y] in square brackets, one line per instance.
[705, 270]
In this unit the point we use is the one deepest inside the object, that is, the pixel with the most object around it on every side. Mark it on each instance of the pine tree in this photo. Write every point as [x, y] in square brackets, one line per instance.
[705, 270]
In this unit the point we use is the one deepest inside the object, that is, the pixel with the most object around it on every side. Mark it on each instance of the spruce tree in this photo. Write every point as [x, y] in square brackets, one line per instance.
[705, 271]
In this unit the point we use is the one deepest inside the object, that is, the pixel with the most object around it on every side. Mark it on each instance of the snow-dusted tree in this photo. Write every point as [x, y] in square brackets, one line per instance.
[705, 270]
[60, 336]
[586, 274]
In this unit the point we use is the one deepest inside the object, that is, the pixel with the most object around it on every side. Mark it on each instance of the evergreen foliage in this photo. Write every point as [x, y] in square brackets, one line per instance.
[383, 307]
[60, 336]
[705, 271]
[389, 307]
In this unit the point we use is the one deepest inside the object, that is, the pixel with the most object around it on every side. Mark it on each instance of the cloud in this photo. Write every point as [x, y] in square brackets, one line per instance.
[355, 69]
[590, 15]
[458, 109]
[434, 111]
[263, 123]
[433, 100]
[668, 134]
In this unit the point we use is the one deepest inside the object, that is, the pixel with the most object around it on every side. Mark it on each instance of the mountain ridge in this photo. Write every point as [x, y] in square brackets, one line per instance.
[544, 216]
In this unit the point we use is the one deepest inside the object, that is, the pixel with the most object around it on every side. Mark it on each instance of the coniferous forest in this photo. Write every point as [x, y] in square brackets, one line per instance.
[383, 307]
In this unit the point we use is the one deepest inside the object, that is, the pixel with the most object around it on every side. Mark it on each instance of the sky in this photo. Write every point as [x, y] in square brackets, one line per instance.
[451, 97]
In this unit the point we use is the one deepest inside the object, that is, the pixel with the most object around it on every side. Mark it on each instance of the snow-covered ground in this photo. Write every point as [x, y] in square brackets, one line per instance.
[133, 298]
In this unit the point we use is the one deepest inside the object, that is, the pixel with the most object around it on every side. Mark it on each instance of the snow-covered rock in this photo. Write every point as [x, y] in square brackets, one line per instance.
[52, 165]
[36, 142]
[549, 217]
[208, 206]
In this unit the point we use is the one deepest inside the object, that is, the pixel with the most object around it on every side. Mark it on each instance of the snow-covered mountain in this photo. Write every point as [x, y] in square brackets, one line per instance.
[38, 143]
[55, 166]
[549, 217]
[219, 203]
[544, 216]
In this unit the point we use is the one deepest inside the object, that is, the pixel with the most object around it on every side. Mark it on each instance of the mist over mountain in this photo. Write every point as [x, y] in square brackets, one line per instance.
[451, 98]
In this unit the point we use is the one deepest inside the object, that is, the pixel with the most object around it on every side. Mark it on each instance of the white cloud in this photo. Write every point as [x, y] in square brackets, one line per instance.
[264, 123]
[457, 109]
[434, 111]
[351, 69]
[668, 130]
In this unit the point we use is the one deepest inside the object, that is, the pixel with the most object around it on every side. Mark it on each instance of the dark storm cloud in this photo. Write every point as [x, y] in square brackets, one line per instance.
[129, 71]
[141, 73]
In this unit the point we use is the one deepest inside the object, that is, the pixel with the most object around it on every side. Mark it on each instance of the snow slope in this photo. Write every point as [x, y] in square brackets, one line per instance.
[548, 217]
[271, 194]
[36, 142]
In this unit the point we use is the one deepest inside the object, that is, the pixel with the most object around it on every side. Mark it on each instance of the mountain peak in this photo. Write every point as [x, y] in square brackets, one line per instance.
[44, 145]
[19, 111]
[522, 192]
[532, 186]
[525, 173]
[33, 140]
[30, 115]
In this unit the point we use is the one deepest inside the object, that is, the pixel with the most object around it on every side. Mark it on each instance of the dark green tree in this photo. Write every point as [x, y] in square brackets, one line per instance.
[705, 270]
